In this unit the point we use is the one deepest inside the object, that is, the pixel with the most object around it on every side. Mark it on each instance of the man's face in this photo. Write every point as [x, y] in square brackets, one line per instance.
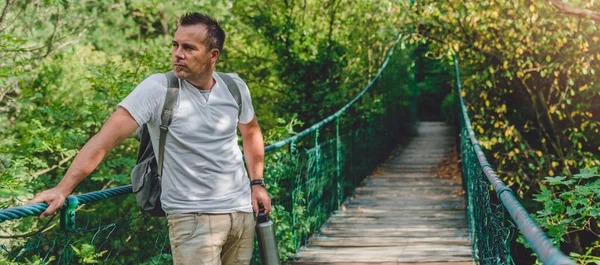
[191, 58]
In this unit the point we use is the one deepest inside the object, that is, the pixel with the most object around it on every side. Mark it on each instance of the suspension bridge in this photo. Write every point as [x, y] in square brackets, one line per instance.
[343, 193]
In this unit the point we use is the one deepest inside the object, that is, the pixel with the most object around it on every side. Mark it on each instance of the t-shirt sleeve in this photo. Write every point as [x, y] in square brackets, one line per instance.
[247, 111]
[145, 102]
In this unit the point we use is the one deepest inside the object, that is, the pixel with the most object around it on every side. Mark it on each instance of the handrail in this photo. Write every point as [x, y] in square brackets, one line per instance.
[539, 242]
[38, 208]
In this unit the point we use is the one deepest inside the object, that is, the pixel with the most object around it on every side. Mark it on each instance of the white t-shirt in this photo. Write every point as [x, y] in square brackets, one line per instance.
[203, 167]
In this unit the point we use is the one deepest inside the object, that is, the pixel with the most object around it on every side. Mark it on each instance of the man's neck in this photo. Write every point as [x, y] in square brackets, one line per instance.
[205, 82]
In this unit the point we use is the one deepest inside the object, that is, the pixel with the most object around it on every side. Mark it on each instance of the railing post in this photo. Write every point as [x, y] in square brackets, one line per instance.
[318, 176]
[371, 149]
[338, 173]
[351, 158]
[317, 152]
[67, 224]
[292, 150]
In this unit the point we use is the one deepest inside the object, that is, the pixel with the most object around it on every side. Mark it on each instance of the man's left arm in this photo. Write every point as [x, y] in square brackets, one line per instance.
[254, 152]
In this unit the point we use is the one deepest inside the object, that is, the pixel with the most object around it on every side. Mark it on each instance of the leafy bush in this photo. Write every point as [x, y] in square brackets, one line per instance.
[570, 213]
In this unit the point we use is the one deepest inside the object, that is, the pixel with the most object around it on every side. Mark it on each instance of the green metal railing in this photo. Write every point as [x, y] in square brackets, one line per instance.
[308, 176]
[490, 228]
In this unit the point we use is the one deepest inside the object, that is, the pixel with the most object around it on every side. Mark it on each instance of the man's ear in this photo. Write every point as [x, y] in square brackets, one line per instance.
[214, 55]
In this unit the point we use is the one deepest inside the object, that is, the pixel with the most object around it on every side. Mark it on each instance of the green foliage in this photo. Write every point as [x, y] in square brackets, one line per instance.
[434, 83]
[283, 130]
[570, 213]
[448, 107]
[87, 254]
[315, 53]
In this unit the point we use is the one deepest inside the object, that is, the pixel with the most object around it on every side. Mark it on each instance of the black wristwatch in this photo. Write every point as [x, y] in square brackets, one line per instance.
[258, 182]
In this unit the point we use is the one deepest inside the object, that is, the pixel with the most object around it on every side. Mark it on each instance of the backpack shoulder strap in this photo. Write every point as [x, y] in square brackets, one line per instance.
[233, 89]
[167, 115]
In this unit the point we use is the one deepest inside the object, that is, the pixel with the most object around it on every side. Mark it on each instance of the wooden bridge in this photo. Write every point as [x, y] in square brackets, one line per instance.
[403, 214]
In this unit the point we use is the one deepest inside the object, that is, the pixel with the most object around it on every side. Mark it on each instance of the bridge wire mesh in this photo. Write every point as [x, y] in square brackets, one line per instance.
[489, 224]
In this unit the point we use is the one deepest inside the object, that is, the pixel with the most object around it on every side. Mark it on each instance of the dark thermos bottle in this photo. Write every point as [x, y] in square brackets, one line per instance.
[267, 243]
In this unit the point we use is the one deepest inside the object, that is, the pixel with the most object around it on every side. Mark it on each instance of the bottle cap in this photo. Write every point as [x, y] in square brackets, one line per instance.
[262, 217]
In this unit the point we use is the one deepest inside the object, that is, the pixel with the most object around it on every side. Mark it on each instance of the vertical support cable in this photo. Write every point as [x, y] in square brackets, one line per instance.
[67, 224]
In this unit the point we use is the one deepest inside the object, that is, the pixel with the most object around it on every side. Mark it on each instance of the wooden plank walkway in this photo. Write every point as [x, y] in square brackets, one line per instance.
[404, 214]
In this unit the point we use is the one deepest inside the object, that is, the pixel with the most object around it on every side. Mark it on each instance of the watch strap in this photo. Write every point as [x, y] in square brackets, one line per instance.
[257, 182]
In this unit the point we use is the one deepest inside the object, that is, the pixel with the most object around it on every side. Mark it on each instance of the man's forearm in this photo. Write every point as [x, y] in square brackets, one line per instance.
[118, 127]
[88, 158]
[254, 151]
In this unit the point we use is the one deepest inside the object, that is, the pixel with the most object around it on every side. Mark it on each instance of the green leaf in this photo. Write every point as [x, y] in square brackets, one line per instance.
[572, 211]
[555, 180]
[544, 196]
[587, 173]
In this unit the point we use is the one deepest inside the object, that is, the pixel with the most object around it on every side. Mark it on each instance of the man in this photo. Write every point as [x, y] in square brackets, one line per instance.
[205, 188]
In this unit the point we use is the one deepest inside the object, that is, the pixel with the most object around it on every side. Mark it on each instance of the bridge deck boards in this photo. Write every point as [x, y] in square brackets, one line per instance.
[403, 215]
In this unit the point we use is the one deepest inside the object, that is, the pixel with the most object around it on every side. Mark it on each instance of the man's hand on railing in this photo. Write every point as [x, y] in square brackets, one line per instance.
[53, 197]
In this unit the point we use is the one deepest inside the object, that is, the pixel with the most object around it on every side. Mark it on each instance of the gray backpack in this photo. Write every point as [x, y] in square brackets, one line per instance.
[146, 175]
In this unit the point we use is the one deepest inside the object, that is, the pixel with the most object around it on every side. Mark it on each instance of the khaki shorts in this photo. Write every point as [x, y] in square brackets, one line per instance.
[213, 239]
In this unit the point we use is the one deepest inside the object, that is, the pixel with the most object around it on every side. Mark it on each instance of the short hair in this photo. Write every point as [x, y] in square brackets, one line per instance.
[215, 35]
